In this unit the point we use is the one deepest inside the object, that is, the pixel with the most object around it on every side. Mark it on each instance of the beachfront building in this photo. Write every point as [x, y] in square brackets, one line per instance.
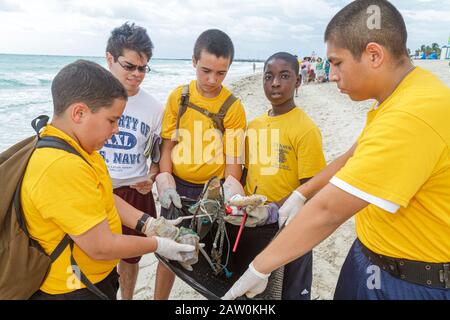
[445, 52]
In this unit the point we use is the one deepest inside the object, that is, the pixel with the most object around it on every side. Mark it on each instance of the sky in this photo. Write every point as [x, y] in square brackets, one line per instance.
[258, 28]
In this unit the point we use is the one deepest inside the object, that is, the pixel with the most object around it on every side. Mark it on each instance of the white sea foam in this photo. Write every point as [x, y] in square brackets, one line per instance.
[25, 82]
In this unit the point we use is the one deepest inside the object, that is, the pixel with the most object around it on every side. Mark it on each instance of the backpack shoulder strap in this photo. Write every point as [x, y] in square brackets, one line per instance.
[45, 142]
[58, 143]
[227, 105]
[39, 123]
[49, 141]
[217, 118]
[184, 101]
[80, 275]
[220, 116]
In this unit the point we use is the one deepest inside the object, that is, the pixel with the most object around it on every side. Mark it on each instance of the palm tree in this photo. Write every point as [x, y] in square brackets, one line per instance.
[436, 48]
[428, 50]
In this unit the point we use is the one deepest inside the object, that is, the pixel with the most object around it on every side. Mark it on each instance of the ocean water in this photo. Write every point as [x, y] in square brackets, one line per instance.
[25, 82]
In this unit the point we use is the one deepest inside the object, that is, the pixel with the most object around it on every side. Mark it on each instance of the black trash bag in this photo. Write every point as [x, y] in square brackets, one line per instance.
[204, 280]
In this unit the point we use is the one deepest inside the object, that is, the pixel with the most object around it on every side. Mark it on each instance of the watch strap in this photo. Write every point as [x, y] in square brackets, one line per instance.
[141, 222]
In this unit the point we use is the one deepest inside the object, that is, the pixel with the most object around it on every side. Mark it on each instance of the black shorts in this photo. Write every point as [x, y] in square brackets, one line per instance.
[297, 274]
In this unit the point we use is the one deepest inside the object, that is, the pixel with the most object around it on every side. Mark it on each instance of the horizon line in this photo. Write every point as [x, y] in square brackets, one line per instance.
[92, 56]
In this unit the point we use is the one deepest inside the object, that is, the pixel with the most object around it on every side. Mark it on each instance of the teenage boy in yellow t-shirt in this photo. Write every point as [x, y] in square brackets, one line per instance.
[68, 194]
[283, 151]
[395, 179]
[195, 148]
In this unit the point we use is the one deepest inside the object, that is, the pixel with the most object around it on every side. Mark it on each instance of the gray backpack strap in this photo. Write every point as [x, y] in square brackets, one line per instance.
[220, 116]
[217, 118]
[184, 101]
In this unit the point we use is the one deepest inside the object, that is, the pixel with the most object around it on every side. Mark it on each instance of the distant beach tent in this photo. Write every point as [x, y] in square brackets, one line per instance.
[432, 56]
[445, 52]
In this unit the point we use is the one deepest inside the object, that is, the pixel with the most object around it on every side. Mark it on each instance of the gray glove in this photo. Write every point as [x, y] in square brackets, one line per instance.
[169, 196]
[161, 227]
[165, 183]
[187, 236]
[258, 216]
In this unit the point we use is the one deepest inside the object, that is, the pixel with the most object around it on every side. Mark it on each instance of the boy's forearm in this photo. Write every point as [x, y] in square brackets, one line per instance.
[153, 171]
[314, 229]
[314, 185]
[165, 163]
[233, 169]
[101, 244]
[282, 201]
[126, 246]
[315, 222]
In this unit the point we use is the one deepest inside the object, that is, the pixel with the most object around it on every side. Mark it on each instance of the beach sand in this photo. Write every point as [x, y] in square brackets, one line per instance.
[340, 121]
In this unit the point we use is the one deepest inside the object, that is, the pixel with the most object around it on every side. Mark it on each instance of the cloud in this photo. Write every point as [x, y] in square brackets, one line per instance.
[318, 9]
[257, 27]
[9, 6]
[428, 15]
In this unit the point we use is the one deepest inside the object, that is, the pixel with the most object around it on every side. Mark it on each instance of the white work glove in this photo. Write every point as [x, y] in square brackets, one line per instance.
[165, 183]
[231, 187]
[251, 283]
[290, 208]
[173, 250]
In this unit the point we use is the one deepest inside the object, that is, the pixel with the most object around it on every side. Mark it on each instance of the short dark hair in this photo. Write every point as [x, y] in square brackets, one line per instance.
[349, 28]
[215, 42]
[289, 58]
[131, 37]
[87, 82]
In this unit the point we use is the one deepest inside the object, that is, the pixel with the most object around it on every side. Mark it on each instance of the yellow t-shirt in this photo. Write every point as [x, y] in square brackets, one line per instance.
[201, 151]
[403, 157]
[62, 194]
[280, 151]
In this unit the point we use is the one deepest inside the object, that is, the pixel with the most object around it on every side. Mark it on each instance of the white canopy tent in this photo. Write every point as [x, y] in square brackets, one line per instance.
[445, 52]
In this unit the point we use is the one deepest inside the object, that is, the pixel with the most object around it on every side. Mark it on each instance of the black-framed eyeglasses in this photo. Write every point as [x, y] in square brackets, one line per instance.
[131, 67]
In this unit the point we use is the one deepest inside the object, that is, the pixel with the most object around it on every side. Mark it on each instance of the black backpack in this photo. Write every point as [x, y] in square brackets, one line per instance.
[23, 262]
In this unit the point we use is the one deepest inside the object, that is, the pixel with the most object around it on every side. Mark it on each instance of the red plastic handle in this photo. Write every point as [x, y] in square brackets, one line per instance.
[240, 231]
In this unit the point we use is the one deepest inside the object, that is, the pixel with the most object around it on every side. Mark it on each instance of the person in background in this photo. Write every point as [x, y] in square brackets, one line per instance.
[304, 70]
[320, 72]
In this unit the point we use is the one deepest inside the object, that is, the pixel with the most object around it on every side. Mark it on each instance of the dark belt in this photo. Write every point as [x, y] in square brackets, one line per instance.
[434, 275]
